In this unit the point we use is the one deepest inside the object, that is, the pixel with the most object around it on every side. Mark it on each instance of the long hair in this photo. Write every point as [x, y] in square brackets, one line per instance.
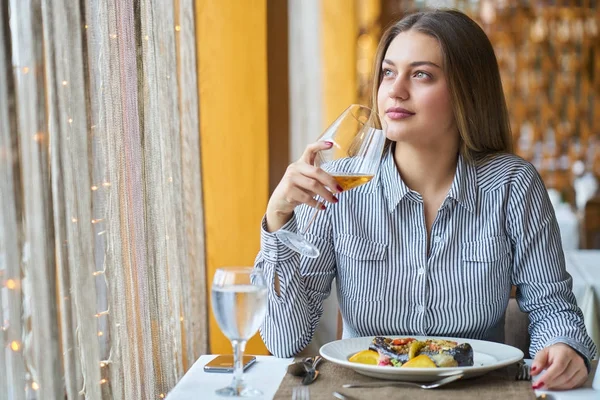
[473, 77]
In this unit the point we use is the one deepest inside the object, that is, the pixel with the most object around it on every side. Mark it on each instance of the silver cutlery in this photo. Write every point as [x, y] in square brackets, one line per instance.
[312, 373]
[428, 385]
[300, 393]
[523, 372]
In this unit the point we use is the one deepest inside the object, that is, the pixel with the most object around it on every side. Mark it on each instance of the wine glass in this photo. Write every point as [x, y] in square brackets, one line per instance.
[358, 137]
[239, 301]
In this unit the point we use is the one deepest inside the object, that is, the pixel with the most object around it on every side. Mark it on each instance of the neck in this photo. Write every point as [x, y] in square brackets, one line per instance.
[426, 171]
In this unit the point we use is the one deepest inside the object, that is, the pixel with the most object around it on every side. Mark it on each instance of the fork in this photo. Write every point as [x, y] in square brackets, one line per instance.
[523, 372]
[300, 393]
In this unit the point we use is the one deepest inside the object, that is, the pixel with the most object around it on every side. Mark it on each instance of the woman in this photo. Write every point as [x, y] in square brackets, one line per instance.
[432, 245]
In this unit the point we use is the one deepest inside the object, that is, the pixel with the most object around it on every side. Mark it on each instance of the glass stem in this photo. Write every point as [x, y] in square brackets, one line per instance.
[238, 365]
[314, 216]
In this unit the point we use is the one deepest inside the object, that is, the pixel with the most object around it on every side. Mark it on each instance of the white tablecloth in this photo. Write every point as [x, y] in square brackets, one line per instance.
[584, 267]
[268, 372]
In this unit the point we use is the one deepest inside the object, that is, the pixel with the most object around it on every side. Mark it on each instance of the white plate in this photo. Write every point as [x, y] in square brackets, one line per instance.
[487, 356]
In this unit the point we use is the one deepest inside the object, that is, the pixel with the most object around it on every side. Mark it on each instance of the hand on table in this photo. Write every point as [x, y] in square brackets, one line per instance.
[565, 368]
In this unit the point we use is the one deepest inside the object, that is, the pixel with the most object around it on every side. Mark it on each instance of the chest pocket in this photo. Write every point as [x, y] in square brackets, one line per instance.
[486, 266]
[362, 268]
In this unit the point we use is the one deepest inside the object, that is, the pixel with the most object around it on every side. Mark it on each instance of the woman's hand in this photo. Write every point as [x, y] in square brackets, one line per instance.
[565, 368]
[300, 184]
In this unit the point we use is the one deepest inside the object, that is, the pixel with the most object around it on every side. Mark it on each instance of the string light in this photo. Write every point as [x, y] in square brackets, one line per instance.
[70, 120]
[113, 36]
[106, 184]
[96, 273]
[73, 219]
[25, 70]
[85, 26]
[95, 221]
[102, 364]
[103, 381]
[181, 319]
[35, 386]
[15, 346]
[38, 137]
[162, 395]
[65, 83]
[11, 284]
[100, 333]
[147, 37]
[94, 188]
[177, 28]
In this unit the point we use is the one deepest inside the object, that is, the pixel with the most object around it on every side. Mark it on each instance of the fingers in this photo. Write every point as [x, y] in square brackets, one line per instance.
[312, 149]
[565, 368]
[539, 362]
[314, 187]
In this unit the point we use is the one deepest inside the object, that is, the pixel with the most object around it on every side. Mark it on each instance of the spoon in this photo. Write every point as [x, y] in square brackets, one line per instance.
[430, 385]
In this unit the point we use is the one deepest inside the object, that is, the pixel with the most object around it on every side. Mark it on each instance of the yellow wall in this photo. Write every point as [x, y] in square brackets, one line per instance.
[339, 32]
[232, 60]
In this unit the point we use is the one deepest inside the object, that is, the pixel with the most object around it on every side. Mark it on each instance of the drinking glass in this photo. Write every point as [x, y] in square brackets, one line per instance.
[239, 301]
[358, 137]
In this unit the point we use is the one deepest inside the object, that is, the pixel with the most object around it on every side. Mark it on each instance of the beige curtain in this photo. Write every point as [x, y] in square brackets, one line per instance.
[101, 229]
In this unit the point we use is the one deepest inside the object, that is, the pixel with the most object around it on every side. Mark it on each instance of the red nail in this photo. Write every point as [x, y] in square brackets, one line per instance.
[339, 188]
[533, 369]
[335, 200]
[323, 206]
[538, 385]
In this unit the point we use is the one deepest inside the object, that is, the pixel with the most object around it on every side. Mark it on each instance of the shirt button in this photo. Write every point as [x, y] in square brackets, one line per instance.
[437, 239]
[270, 241]
[421, 271]
[273, 254]
[420, 309]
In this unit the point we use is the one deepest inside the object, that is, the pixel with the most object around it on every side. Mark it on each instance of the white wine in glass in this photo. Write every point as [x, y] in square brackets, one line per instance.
[239, 301]
[358, 137]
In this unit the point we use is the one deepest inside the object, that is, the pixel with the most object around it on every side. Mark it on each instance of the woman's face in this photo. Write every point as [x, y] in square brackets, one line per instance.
[413, 95]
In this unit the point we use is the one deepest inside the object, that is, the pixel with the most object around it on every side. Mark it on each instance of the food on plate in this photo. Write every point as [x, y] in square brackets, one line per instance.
[365, 357]
[410, 352]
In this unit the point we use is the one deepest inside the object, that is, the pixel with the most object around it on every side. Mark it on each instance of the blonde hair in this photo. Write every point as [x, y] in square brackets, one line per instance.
[472, 74]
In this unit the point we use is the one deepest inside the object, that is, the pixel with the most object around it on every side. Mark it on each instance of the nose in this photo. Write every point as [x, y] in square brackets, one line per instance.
[399, 89]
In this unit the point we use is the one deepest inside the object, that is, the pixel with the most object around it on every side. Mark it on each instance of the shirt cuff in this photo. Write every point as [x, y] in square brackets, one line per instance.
[271, 247]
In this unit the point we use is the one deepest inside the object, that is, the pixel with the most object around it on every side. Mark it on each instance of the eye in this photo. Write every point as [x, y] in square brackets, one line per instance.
[421, 75]
[387, 73]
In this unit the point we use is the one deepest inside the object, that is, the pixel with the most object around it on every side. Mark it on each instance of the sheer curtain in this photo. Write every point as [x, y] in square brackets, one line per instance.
[101, 230]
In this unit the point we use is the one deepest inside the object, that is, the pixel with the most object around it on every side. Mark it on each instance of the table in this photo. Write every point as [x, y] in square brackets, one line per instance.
[584, 267]
[268, 372]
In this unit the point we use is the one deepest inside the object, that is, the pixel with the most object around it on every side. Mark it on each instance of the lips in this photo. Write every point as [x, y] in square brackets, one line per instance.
[397, 113]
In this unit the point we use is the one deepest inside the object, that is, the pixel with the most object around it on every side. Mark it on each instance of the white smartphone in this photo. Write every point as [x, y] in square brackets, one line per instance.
[224, 363]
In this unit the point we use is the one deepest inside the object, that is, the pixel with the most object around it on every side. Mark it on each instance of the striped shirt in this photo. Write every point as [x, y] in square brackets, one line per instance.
[495, 228]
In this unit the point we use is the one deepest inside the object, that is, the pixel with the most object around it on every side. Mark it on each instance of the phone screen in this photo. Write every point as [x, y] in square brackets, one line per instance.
[224, 363]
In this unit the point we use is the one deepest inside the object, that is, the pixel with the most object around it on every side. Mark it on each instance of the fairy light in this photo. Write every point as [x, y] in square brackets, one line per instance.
[96, 273]
[162, 395]
[113, 36]
[95, 221]
[100, 333]
[181, 319]
[85, 26]
[11, 284]
[38, 137]
[65, 83]
[94, 188]
[103, 381]
[70, 120]
[177, 28]
[15, 346]
[106, 184]
[74, 220]
[102, 364]
[35, 386]
[146, 37]
[25, 70]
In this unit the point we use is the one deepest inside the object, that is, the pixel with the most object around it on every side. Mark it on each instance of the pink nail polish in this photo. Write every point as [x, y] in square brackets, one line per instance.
[329, 143]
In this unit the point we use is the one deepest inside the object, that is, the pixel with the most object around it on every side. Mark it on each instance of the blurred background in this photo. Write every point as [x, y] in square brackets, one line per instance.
[140, 141]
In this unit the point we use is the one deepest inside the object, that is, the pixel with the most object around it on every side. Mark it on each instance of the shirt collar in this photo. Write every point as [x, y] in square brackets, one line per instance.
[463, 188]
[464, 185]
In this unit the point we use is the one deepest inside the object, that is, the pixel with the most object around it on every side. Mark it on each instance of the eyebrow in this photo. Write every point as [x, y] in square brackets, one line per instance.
[414, 64]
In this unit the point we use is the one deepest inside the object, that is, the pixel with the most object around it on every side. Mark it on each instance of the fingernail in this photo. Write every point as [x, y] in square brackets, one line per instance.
[335, 200]
[538, 385]
[533, 369]
[323, 206]
[339, 188]
[329, 143]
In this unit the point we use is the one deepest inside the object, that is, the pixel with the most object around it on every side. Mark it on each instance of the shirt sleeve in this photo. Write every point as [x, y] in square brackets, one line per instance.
[304, 283]
[544, 287]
